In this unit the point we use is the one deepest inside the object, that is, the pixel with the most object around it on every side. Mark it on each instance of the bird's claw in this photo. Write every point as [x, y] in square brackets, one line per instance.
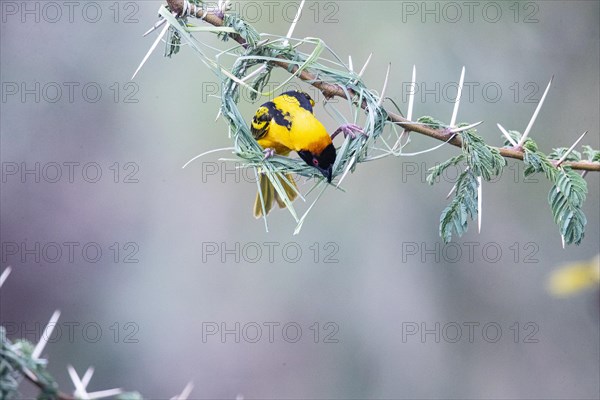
[349, 130]
[268, 153]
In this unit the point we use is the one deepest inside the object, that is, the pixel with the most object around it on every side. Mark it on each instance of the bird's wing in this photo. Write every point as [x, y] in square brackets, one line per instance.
[260, 122]
[268, 113]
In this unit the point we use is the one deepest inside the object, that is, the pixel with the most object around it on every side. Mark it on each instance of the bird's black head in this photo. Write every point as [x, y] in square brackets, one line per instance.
[323, 162]
[303, 99]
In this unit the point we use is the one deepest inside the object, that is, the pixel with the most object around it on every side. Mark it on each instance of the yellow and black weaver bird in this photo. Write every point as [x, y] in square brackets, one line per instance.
[284, 125]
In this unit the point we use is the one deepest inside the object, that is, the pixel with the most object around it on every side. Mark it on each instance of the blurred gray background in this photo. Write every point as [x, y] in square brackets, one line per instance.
[391, 276]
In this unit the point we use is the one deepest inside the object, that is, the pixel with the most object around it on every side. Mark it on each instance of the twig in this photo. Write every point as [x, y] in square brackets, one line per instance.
[60, 395]
[332, 90]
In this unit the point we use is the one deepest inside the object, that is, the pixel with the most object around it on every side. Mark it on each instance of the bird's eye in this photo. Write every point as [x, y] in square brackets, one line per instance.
[315, 162]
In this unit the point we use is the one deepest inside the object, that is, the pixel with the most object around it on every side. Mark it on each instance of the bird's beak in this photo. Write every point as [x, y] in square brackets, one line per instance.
[327, 173]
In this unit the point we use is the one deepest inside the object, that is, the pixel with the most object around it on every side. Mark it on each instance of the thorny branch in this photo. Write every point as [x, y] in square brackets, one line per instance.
[331, 90]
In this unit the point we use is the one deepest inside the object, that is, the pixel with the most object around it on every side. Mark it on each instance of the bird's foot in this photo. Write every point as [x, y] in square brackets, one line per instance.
[269, 152]
[349, 130]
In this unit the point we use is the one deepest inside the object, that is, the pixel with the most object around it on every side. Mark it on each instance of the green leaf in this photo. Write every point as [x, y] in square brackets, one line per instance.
[538, 162]
[515, 135]
[530, 145]
[438, 170]
[566, 199]
[463, 206]
[246, 31]
[16, 358]
[591, 154]
[567, 194]
[560, 151]
[431, 122]
[482, 161]
[485, 161]
[173, 39]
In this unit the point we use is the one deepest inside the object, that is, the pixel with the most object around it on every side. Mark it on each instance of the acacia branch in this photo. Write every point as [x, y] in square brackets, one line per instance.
[330, 90]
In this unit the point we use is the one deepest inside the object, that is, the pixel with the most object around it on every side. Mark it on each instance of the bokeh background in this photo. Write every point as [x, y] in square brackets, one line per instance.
[390, 273]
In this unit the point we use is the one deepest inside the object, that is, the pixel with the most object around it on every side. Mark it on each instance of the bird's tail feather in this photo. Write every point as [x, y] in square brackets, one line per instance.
[270, 195]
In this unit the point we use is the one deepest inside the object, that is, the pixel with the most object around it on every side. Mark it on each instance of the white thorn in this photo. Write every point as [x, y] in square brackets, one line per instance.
[535, 114]
[458, 95]
[453, 130]
[467, 127]
[160, 36]
[365, 66]
[385, 82]
[562, 239]
[350, 66]
[564, 157]
[157, 25]
[105, 393]
[79, 387]
[507, 135]
[411, 97]
[451, 191]
[294, 22]
[87, 376]
[454, 187]
[418, 153]
[5, 275]
[185, 393]
[81, 384]
[46, 333]
[479, 202]
[411, 100]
